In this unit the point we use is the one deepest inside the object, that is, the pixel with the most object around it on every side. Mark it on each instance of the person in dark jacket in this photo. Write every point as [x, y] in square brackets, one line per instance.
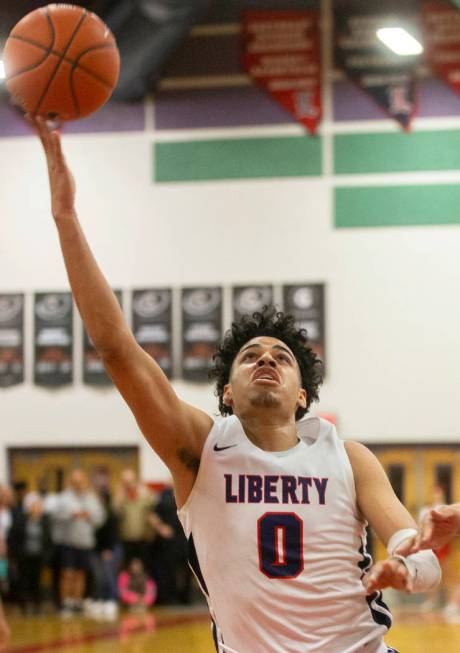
[105, 563]
[30, 540]
[169, 565]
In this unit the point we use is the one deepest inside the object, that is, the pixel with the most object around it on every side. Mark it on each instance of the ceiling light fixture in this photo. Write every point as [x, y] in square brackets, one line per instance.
[399, 41]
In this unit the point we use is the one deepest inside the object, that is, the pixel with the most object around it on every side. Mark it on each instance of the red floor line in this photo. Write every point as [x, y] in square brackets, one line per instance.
[113, 633]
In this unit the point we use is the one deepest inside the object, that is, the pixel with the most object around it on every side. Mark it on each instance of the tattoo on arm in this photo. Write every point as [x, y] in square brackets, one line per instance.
[189, 459]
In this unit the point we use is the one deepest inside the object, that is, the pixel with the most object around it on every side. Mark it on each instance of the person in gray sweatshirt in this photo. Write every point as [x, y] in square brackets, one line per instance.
[80, 513]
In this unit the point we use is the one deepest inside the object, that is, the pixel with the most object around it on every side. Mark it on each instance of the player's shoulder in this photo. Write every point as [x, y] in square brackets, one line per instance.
[311, 428]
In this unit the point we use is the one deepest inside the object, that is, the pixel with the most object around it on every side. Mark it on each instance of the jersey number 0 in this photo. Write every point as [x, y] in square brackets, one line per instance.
[280, 538]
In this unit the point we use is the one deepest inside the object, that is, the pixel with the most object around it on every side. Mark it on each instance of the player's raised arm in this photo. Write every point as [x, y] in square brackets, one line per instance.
[175, 430]
[419, 572]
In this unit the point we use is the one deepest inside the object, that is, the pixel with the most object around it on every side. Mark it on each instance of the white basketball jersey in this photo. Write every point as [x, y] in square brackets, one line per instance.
[277, 543]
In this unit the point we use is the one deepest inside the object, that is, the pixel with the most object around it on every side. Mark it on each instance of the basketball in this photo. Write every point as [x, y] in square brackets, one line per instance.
[61, 61]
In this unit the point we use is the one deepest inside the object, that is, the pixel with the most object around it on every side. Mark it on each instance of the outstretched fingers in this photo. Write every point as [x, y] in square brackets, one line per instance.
[388, 573]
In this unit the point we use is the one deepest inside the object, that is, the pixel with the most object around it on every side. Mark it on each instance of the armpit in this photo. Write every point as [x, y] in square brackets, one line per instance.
[189, 459]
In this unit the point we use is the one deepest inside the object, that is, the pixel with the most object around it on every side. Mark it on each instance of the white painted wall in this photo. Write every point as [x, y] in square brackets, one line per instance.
[393, 300]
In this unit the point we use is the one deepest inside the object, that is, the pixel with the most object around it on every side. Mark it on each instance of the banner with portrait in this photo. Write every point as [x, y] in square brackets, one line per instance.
[247, 300]
[152, 324]
[388, 78]
[306, 303]
[53, 337]
[94, 372]
[11, 339]
[201, 330]
[441, 37]
[282, 53]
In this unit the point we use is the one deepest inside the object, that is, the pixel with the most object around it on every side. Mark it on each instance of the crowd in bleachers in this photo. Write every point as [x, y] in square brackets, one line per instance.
[86, 550]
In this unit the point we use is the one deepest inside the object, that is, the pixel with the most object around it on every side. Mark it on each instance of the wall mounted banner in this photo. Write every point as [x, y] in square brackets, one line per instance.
[387, 77]
[11, 340]
[201, 330]
[306, 303]
[250, 299]
[151, 321]
[53, 330]
[93, 369]
[441, 26]
[282, 53]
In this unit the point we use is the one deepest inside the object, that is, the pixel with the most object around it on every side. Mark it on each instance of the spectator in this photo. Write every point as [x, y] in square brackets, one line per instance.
[132, 503]
[105, 563]
[5, 525]
[81, 513]
[51, 504]
[169, 562]
[136, 590]
[17, 514]
[30, 539]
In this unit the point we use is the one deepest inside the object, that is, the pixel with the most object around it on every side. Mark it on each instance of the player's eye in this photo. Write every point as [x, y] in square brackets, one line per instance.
[249, 355]
[284, 358]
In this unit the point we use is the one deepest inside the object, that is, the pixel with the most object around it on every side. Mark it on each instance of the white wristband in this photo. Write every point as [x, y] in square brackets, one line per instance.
[423, 567]
[424, 570]
[398, 538]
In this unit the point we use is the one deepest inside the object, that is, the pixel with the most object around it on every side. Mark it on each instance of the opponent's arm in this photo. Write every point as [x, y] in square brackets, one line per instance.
[392, 523]
[175, 430]
[439, 526]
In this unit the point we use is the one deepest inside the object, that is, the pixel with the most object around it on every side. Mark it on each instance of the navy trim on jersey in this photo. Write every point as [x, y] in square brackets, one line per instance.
[195, 565]
[214, 635]
[379, 610]
[366, 562]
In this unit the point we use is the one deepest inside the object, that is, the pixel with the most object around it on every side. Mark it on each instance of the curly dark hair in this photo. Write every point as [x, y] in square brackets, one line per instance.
[268, 322]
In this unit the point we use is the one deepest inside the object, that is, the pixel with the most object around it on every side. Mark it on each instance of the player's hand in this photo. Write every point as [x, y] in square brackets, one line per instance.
[62, 184]
[388, 573]
[438, 528]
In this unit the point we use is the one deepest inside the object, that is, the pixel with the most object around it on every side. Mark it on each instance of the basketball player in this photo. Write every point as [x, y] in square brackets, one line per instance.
[274, 508]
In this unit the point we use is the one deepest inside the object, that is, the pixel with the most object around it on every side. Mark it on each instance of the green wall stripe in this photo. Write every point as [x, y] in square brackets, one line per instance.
[378, 206]
[238, 158]
[398, 152]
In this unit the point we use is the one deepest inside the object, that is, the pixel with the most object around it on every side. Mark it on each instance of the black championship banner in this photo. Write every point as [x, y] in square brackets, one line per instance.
[201, 330]
[250, 299]
[385, 76]
[152, 324]
[11, 340]
[306, 303]
[53, 331]
[282, 53]
[441, 36]
[93, 368]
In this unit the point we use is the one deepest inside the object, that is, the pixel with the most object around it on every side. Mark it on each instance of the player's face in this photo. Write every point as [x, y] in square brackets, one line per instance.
[265, 375]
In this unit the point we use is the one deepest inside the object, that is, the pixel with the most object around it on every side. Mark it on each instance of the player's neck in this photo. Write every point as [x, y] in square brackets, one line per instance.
[271, 436]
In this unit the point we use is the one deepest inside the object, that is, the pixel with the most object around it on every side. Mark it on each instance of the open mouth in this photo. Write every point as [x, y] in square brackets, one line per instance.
[266, 378]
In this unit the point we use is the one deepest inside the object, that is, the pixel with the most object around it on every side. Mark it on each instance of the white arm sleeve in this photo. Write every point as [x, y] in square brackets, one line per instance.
[423, 567]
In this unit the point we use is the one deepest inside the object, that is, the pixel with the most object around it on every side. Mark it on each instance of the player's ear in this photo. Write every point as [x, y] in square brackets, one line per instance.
[227, 395]
[302, 398]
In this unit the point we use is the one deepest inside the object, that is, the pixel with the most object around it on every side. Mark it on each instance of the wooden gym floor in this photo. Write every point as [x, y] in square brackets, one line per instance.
[187, 631]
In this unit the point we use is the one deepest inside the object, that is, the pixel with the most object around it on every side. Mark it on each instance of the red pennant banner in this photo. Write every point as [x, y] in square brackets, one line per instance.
[282, 54]
[441, 26]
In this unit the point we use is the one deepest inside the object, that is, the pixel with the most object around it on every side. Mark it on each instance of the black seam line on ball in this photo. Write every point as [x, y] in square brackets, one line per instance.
[76, 64]
[72, 62]
[47, 49]
[80, 23]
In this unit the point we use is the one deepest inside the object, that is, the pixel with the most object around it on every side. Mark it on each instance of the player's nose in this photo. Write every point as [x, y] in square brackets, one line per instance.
[266, 359]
